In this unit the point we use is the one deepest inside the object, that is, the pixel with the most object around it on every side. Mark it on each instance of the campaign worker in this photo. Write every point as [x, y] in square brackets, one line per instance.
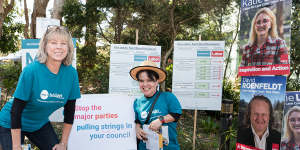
[166, 111]
[259, 132]
[291, 136]
[264, 46]
[43, 87]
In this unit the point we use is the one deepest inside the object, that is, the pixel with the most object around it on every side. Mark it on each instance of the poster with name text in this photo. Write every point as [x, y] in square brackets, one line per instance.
[291, 117]
[265, 37]
[260, 110]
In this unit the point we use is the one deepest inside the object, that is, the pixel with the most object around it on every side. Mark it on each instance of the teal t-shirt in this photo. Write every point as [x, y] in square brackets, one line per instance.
[166, 103]
[44, 93]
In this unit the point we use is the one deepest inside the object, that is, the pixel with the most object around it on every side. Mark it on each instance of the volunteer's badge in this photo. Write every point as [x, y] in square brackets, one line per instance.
[144, 114]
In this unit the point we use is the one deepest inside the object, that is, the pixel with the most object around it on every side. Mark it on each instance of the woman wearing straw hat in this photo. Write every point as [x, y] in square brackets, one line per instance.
[166, 108]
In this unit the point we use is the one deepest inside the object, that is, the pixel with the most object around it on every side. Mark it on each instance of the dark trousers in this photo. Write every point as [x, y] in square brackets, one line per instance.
[44, 138]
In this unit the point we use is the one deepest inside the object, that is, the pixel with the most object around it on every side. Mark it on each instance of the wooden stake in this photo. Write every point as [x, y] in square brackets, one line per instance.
[136, 36]
[195, 120]
[195, 127]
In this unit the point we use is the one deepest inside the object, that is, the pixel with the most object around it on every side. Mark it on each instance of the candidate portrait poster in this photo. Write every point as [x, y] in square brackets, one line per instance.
[291, 121]
[265, 30]
[261, 104]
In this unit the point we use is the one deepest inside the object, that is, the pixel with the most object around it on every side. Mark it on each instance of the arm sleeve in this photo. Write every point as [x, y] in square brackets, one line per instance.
[135, 113]
[75, 90]
[176, 116]
[69, 110]
[137, 121]
[24, 86]
[16, 113]
[173, 104]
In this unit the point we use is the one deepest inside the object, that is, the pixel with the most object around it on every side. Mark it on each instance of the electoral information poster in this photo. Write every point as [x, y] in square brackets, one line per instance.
[198, 74]
[100, 124]
[123, 57]
[260, 111]
[265, 37]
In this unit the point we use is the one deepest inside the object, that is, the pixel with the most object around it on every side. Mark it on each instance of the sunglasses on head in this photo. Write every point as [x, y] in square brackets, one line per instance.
[55, 28]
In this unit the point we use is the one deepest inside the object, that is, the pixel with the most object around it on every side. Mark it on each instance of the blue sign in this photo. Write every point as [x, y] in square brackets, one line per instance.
[34, 43]
[292, 99]
[203, 53]
[140, 58]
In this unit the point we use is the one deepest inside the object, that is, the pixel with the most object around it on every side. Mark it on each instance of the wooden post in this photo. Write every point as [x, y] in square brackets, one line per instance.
[136, 36]
[195, 120]
[195, 127]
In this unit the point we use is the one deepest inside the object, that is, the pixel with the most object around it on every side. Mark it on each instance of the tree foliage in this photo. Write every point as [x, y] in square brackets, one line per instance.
[293, 83]
[11, 34]
[159, 22]
[9, 74]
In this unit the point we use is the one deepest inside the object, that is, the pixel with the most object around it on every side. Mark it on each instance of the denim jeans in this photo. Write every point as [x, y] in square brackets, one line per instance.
[44, 138]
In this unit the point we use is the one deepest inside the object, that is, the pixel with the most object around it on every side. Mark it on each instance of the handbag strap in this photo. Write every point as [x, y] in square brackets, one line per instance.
[151, 109]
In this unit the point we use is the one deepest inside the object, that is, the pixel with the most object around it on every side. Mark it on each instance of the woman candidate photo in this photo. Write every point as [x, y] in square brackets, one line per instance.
[291, 136]
[43, 87]
[166, 110]
[264, 46]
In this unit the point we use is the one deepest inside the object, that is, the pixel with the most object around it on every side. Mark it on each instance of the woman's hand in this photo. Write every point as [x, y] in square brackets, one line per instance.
[140, 134]
[60, 146]
[155, 125]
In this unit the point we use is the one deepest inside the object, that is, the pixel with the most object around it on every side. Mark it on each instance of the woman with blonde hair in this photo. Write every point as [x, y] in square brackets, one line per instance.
[291, 137]
[264, 46]
[43, 87]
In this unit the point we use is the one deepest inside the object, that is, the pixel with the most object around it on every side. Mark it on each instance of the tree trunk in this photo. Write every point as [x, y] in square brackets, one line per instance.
[1, 17]
[57, 9]
[173, 33]
[5, 8]
[118, 25]
[231, 45]
[89, 51]
[26, 35]
[121, 14]
[39, 10]
[90, 43]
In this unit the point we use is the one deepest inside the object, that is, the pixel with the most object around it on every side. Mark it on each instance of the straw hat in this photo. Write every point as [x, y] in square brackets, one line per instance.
[148, 65]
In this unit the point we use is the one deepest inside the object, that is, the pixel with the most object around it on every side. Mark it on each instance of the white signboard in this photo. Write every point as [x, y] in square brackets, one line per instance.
[123, 57]
[42, 25]
[100, 124]
[29, 52]
[198, 74]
